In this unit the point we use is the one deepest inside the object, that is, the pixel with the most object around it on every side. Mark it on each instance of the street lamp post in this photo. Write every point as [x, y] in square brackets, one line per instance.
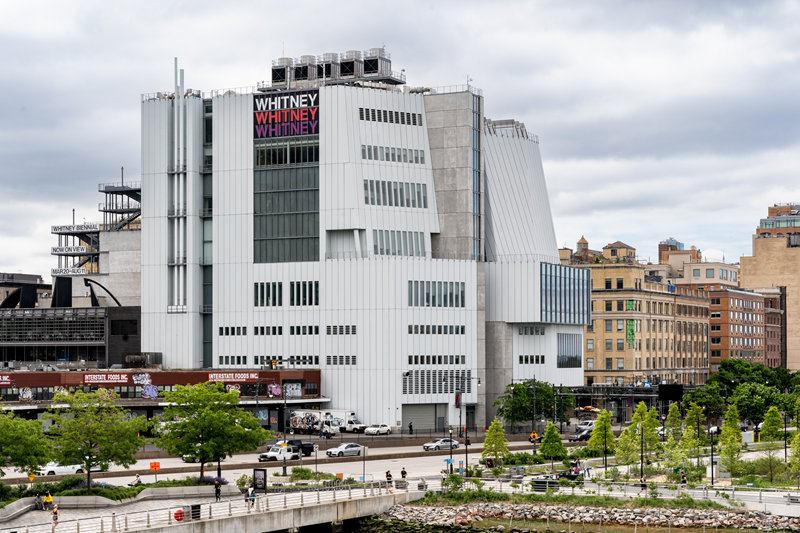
[641, 459]
[712, 459]
[451, 450]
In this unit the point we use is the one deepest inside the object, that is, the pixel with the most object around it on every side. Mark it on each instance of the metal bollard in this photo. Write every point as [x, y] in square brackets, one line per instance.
[266, 501]
[334, 493]
[113, 521]
[230, 509]
[77, 527]
[209, 512]
[284, 500]
[126, 522]
[301, 499]
[148, 519]
[169, 517]
[317, 494]
[101, 524]
[349, 493]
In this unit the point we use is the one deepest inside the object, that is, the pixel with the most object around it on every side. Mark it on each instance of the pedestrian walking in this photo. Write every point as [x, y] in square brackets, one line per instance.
[247, 496]
[410, 428]
[643, 485]
[389, 480]
[684, 481]
[252, 497]
[403, 473]
[217, 490]
[55, 512]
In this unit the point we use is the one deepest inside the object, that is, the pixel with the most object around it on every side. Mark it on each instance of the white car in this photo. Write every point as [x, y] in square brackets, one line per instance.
[378, 429]
[55, 469]
[346, 448]
[440, 444]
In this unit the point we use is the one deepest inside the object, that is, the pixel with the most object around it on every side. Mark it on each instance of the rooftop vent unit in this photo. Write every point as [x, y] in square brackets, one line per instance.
[304, 68]
[282, 71]
[352, 65]
[328, 66]
[377, 62]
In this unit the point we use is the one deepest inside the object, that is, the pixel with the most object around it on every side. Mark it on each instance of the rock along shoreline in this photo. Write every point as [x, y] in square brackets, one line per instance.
[467, 516]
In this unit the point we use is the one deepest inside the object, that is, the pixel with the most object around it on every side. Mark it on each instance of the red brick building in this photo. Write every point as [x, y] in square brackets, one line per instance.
[737, 326]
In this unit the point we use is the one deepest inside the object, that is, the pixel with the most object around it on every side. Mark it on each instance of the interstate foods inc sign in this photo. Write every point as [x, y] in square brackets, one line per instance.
[286, 114]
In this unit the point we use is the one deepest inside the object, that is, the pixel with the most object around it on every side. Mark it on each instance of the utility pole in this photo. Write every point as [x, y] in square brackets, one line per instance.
[641, 460]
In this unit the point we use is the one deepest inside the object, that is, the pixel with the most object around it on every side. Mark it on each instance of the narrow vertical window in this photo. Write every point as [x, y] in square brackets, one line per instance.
[389, 186]
[383, 189]
[369, 152]
[375, 241]
[408, 195]
[380, 236]
[255, 295]
[366, 192]
[416, 157]
[427, 294]
[377, 192]
[439, 293]
[405, 155]
[410, 293]
[305, 295]
[396, 198]
[372, 192]
[413, 196]
[394, 248]
[416, 242]
[424, 195]
[422, 157]
[419, 119]
[445, 295]
[394, 157]
[363, 152]
[419, 195]
[261, 290]
[451, 294]
[297, 297]
[405, 243]
[291, 293]
[416, 294]
[361, 113]
[375, 152]
[316, 293]
[422, 244]
[457, 301]
[402, 195]
[380, 151]
[463, 302]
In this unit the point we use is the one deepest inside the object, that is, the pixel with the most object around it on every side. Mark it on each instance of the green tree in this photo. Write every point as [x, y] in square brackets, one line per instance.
[91, 430]
[753, 399]
[552, 448]
[602, 435]
[693, 436]
[730, 441]
[206, 422]
[773, 424]
[23, 444]
[516, 403]
[794, 457]
[709, 397]
[640, 438]
[674, 454]
[672, 426]
[495, 445]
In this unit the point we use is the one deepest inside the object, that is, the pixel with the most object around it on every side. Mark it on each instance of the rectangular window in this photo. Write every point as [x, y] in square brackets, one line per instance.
[394, 247]
[394, 156]
[620, 345]
[620, 363]
[620, 305]
[709, 273]
[439, 293]
[413, 196]
[619, 283]
[380, 242]
[419, 195]
[372, 192]
[609, 363]
[427, 294]
[620, 325]
[380, 152]
[609, 305]
[405, 155]
[383, 189]
[366, 192]
[609, 345]
[451, 295]
[410, 293]
[589, 345]
[363, 152]
[696, 272]
[608, 283]
[369, 152]
[416, 157]
[609, 325]
[463, 300]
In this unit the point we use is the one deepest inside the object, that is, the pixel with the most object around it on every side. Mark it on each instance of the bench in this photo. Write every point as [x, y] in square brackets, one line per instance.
[793, 498]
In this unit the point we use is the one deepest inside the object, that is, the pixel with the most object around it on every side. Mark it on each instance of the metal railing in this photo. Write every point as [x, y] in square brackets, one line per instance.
[204, 511]
[457, 89]
[206, 212]
[119, 187]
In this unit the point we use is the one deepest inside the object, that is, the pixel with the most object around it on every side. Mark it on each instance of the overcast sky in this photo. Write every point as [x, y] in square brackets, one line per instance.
[656, 119]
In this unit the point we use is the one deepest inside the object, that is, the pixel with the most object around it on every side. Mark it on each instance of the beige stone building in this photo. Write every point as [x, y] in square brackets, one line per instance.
[644, 331]
[776, 263]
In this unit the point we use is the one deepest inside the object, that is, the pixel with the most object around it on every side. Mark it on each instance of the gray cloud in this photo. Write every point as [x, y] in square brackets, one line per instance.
[657, 119]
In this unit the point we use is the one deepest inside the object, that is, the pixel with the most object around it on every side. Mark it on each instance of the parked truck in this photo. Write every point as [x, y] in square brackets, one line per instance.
[309, 422]
[347, 420]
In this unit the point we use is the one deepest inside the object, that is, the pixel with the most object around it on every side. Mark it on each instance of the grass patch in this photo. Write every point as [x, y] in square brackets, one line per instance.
[479, 496]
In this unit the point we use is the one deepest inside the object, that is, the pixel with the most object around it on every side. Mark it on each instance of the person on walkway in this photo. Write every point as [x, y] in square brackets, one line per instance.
[135, 481]
[389, 480]
[444, 474]
[217, 490]
[39, 502]
[252, 497]
[48, 502]
[403, 473]
[322, 431]
[247, 496]
[684, 481]
[643, 481]
[55, 513]
[410, 428]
